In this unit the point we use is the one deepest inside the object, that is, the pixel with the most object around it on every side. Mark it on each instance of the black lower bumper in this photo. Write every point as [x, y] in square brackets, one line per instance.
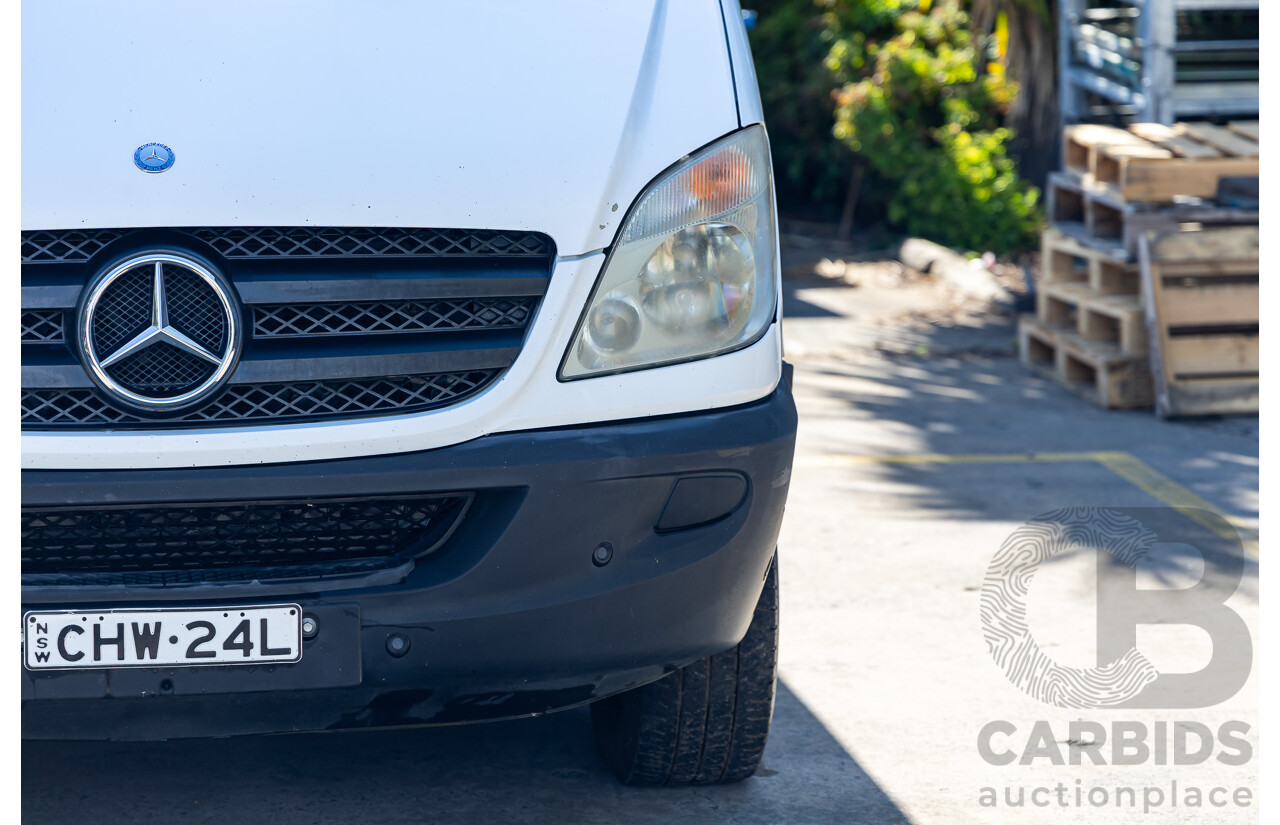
[511, 616]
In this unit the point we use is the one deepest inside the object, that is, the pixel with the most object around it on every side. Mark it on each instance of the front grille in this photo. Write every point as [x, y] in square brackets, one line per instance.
[339, 322]
[307, 400]
[233, 541]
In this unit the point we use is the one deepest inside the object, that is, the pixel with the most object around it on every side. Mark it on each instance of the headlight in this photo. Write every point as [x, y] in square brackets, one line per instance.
[692, 273]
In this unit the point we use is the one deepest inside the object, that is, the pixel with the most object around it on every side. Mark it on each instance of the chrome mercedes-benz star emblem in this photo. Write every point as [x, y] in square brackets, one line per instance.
[153, 157]
[159, 331]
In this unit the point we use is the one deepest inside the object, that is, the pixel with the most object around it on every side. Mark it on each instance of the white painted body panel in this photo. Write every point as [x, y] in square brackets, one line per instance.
[486, 114]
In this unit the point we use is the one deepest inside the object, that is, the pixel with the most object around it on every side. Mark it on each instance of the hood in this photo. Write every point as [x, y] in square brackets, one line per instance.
[540, 116]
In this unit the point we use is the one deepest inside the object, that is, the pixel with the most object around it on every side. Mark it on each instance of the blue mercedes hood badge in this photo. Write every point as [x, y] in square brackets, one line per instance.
[153, 157]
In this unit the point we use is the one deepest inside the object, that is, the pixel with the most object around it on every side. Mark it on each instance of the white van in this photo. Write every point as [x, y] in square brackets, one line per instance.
[401, 364]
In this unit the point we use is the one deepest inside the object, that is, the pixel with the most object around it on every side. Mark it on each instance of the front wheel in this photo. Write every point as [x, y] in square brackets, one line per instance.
[704, 724]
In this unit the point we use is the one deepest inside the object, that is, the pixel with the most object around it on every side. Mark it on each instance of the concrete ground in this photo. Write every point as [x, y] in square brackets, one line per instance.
[914, 412]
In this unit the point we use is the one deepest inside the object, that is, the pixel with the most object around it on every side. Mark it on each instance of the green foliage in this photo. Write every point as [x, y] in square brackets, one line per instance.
[918, 99]
[922, 106]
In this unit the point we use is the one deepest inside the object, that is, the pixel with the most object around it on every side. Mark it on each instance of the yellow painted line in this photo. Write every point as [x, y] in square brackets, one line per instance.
[1133, 470]
[1159, 486]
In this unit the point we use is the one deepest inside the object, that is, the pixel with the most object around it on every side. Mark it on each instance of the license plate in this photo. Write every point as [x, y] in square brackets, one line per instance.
[163, 637]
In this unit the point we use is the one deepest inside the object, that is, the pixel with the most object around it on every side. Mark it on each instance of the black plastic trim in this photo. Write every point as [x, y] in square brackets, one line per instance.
[733, 73]
[490, 355]
[58, 296]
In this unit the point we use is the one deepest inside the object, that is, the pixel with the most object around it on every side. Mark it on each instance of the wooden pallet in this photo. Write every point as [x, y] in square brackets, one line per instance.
[1082, 145]
[1096, 371]
[1070, 208]
[1108, 319]
[1152, 163]
[1201, 303]
[1064, 259]
[1096, 216]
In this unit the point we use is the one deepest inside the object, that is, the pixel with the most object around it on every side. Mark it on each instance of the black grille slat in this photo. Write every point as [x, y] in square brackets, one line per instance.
[230, 541]
[267, 402]
[304, 320]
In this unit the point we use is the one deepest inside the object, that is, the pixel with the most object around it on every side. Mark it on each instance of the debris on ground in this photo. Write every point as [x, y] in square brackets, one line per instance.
[868, 291]
[973, 277]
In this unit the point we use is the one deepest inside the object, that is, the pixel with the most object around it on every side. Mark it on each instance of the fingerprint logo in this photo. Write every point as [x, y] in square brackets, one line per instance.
[1004, 608]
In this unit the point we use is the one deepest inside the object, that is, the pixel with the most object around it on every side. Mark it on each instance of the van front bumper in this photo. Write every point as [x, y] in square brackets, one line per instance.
[513, 615]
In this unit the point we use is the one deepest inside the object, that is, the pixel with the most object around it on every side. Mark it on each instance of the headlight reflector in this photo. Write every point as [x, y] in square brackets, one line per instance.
[692, 274]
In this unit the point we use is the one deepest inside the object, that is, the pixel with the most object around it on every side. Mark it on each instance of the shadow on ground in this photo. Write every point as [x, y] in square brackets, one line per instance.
[951, 384]
[530, 770]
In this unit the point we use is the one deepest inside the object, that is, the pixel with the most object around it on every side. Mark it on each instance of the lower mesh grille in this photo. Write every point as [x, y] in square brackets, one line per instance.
[304, 320]
[42, 326]
[257, 402]
[232, 541]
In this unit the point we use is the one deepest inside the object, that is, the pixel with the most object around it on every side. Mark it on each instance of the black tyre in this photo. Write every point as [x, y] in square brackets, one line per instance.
[704, 724]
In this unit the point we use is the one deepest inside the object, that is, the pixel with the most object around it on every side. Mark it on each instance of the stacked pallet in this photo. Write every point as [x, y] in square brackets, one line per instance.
[1118, 185]
[1118, 189]
[1089, 332]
